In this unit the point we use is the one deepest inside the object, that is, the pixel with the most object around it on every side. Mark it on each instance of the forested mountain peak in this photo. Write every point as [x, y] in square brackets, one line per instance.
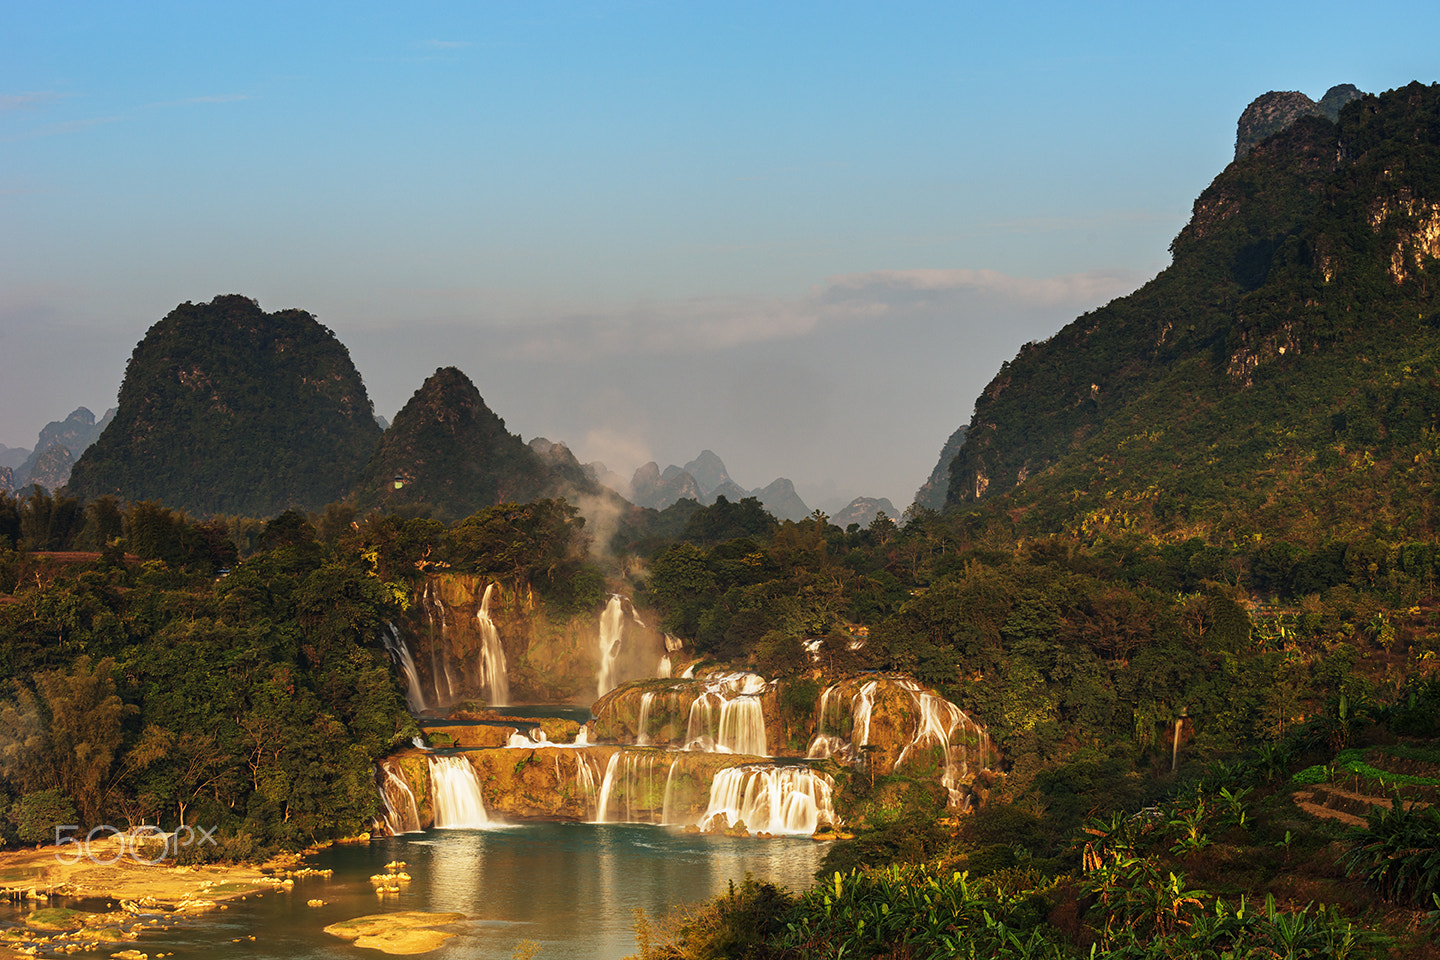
[448, 452]
[1286, 361]
[228, 409]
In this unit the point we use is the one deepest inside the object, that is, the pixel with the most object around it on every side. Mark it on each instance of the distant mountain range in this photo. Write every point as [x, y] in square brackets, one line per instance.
[56, 449]
[706, 480]
[228, 409]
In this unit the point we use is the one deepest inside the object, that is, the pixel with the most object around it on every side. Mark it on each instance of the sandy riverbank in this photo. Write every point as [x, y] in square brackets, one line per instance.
[130, 895]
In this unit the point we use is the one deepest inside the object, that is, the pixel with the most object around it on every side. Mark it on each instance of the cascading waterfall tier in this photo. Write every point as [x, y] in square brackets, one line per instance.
[727, 715]
[611, 633]
[719, 712]
[456, 789]
[922, 732]
[692, 753]
[790, 800]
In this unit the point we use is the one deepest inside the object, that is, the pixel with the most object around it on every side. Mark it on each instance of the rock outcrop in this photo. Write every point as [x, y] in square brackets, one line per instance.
[1272, 112]
[75, 434]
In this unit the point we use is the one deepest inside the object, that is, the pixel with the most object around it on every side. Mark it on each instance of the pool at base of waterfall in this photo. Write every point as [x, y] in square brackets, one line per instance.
[570, 888]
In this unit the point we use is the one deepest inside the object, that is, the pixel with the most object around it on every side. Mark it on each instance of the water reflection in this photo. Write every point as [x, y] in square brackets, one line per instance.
[570, 887]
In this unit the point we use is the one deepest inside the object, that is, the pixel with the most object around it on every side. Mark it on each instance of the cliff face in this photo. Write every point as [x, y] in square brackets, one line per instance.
[228, 409]
[1292, 337]
[931, 494]
[545, 659]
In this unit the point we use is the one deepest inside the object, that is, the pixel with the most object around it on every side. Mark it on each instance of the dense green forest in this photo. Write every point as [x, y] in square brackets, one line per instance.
[229, 671]
[228, 409]
[161, 677]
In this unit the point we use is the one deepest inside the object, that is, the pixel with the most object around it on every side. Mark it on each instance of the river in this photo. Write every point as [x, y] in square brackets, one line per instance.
[571, 888]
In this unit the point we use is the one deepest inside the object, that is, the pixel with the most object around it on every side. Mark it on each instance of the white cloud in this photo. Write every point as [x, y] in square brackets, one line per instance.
[707, 325]
[19, 101]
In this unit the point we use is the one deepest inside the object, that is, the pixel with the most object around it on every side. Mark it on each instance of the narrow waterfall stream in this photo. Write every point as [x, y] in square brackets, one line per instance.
[494, 673]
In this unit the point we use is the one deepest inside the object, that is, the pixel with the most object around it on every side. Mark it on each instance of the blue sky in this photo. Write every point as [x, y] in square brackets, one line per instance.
[802, 235]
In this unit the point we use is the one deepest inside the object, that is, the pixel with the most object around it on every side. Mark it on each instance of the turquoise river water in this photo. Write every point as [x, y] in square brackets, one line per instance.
[572, 888]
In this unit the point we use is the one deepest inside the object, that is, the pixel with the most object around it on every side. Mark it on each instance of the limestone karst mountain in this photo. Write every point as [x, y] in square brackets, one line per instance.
[931, 494]
[228, 409]
[704, 480]
[450, 453]
[863, 511]
[60, 443]
[1278, 376]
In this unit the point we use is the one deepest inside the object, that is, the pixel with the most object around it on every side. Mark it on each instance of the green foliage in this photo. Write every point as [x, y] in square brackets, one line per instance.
[37, 814]
[448, 455]
[1398, 852]
[228, 409]
[1275, 382]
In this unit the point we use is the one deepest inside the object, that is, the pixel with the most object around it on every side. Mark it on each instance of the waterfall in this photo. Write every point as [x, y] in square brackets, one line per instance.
[630, 787]
[456, 789]
[940, 720]
[773, 800]
[642, 737]
[663, 670]
[585, 780]
[532, 738]
[494, 676]
[728, 716]
[395, 644]
[401, 814]
[439, 647]
[939, 725]
[612, 628]
[828, 740]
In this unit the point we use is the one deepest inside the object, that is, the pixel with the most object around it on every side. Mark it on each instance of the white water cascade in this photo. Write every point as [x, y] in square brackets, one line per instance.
[395, 644]
[456, 789]
[728, 716]
[401, 814]
[630, 786]
[494, 676]
[439, 646]
[612, 631]
[770, 800]
[939, 725]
